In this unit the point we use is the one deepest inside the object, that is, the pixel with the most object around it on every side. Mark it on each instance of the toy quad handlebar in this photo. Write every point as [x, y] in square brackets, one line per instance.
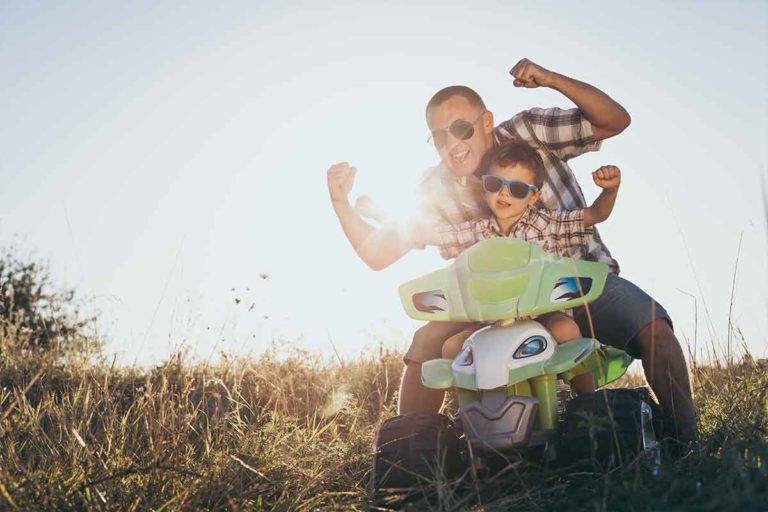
[503, 279]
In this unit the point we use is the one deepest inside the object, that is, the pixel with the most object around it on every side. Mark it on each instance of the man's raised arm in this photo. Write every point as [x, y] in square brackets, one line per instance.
[377, 247]
[608, 118]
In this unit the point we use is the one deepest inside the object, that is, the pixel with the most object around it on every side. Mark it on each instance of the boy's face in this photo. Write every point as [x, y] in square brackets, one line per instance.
[501, 203]
[462, 156]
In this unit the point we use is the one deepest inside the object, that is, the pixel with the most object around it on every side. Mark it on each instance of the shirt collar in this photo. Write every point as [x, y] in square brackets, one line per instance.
[524, 219]
[495, 229]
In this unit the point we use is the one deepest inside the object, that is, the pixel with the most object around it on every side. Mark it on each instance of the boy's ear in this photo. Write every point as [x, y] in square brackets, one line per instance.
[533, 199]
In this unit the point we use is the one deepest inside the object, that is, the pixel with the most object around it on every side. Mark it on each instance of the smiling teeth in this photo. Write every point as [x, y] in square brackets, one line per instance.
[460, 155]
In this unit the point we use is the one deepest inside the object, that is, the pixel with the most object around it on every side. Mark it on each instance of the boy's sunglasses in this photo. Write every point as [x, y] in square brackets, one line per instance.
[517, 189]
[461, 129]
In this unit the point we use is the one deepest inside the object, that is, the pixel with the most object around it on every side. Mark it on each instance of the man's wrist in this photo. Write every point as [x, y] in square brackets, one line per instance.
[555, 81]
[343, 208]
[342, 203]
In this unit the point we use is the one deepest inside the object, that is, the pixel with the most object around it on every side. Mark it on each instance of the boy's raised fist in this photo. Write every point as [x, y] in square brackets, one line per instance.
[607, 176]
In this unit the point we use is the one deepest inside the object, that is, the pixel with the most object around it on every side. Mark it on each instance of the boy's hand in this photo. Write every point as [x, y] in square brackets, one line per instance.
[530, 75]
[341, 177]
[607, 177]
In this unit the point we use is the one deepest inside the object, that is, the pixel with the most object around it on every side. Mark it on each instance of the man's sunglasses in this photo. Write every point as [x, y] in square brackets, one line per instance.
[517, 189]
[461, 129]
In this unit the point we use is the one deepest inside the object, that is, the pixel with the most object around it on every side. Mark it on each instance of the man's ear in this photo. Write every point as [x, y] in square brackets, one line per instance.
[488, 121]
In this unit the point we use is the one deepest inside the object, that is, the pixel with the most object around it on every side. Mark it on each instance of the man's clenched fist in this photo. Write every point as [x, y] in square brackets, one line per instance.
[529, 74]
[341, 177]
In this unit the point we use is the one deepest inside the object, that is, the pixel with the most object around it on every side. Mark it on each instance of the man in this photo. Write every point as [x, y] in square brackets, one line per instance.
[462, 131]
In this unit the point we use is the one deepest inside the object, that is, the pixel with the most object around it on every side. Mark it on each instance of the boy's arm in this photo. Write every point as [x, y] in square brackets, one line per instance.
[607, 177]
[378, 248]
[608, 117]
[452, 239]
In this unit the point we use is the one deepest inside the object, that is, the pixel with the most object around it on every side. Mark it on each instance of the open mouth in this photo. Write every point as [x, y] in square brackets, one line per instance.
[460, 155]
[503, 204]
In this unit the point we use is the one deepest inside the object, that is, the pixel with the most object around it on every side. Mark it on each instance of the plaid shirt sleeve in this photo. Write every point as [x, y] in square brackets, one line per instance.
[566, 133]
[454, 238]
[567, 231]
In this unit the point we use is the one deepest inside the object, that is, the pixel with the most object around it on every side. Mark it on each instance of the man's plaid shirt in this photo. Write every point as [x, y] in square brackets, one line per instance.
[558, 135]
[558, 232]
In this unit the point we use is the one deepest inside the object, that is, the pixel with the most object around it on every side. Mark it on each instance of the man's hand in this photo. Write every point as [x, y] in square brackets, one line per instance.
[530, 75]
[378, 248]
[341, 177]
[608, 118]
[367, 207]
[607, 177]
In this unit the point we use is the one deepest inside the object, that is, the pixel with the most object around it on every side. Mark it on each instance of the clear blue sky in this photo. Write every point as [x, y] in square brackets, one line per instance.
[164, 155]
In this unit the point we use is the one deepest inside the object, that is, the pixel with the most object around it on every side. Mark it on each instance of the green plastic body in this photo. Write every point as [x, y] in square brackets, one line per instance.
[606, 364]
[545, 391]
[499, 279]
[504, 279]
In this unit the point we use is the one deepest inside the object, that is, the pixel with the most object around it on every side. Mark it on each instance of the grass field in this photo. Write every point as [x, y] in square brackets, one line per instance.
[287, 432]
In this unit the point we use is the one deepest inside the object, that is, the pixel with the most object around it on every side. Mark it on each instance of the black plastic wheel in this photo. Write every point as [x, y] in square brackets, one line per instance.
[412, 450]
[608, 429]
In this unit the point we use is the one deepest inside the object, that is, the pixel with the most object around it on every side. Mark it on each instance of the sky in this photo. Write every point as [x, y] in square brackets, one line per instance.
[168, 159]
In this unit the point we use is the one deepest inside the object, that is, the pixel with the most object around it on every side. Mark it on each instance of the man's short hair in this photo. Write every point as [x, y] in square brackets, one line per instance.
[444, 94]
[513, 153]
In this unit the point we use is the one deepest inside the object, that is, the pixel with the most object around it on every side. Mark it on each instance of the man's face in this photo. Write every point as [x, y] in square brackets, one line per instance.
[461, 156]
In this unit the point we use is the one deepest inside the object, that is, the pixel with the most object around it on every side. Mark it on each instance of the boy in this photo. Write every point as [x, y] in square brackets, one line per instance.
[512, 176]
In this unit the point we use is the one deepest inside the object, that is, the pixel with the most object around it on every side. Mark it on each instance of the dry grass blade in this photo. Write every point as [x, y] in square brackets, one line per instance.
[29, 385]
[251, 469]
[7, 497]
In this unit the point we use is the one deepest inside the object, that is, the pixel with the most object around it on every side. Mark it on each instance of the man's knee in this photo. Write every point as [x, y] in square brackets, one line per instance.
[657, 338]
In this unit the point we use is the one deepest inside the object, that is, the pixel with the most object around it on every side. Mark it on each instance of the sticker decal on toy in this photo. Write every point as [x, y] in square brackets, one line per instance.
[431, 301]
[533, 346]
[567, 288]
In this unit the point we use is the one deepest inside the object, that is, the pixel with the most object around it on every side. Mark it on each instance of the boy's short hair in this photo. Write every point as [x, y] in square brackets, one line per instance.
[514, 153]
[446, 93]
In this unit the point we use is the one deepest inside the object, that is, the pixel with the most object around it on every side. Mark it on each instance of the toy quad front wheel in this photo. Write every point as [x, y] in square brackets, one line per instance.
[609, 428]
[414, 449]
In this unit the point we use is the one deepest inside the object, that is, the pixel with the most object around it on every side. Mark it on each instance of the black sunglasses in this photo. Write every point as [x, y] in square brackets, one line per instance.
[517, 189]
[461, 129]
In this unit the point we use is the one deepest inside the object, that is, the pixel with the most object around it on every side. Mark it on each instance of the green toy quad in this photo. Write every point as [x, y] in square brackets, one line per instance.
[506, 374]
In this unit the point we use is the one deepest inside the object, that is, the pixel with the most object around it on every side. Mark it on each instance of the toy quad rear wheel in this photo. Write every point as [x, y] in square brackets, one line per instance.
[414, 449]
[609, 428]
